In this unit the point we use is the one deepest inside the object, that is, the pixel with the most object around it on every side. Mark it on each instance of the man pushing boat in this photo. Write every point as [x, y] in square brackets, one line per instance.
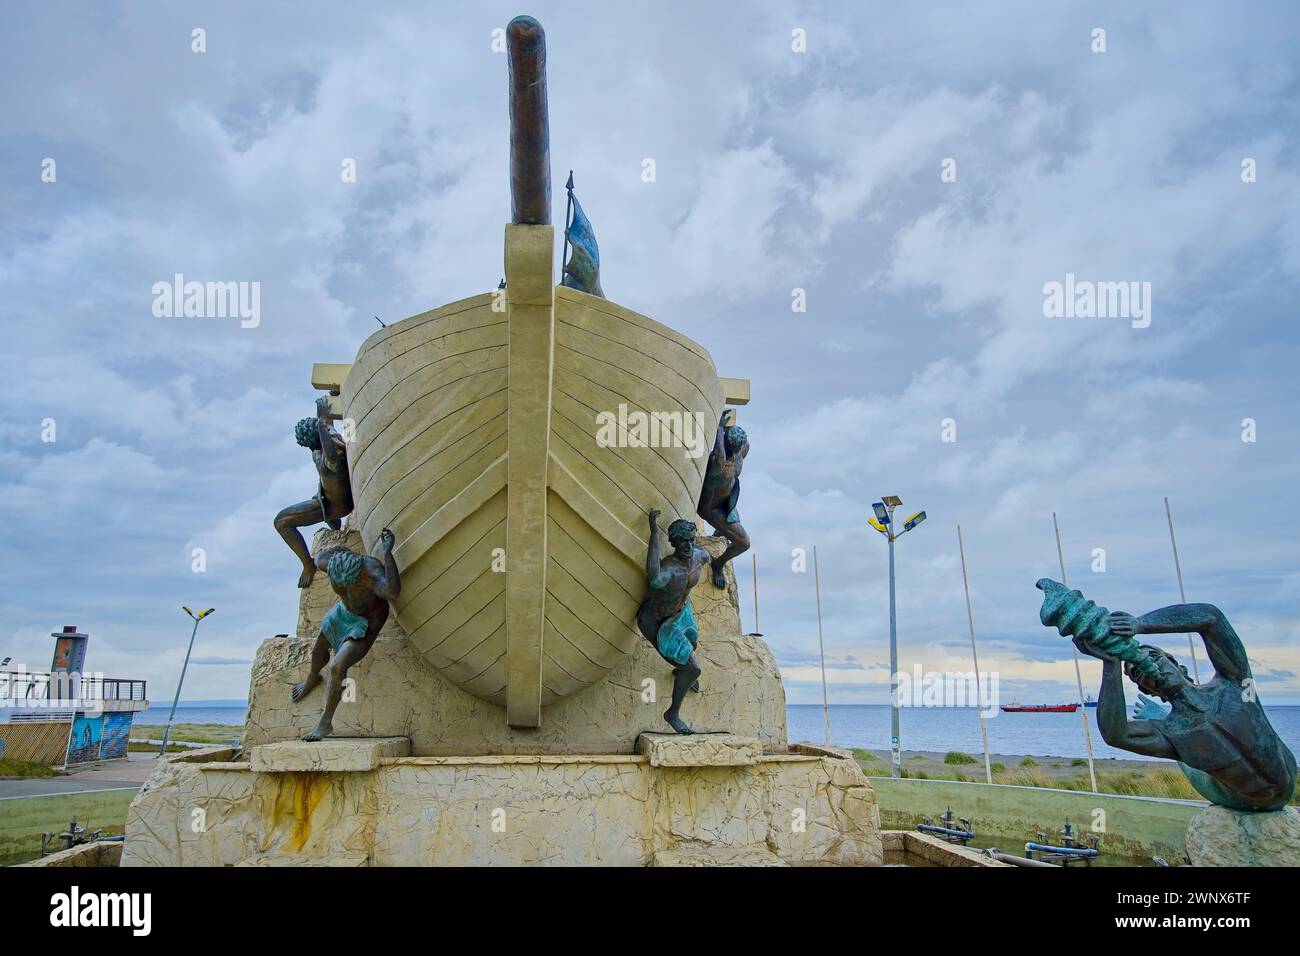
[665, 617]
[333, 498]
[720, 493]
[364, 585]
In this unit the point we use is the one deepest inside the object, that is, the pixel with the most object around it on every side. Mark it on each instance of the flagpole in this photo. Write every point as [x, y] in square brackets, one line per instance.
[568, 213]
[826, 707]
[1078, 675]
[979, 685]
[758, 632]
[1182, 595]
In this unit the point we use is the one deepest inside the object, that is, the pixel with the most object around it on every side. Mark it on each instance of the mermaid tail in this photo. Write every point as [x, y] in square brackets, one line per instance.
[1075, 616]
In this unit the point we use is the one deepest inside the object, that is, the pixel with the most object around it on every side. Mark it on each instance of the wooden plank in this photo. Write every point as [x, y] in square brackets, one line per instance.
[600, 518]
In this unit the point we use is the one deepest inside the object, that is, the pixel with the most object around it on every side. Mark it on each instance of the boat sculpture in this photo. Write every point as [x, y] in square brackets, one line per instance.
[521, 528]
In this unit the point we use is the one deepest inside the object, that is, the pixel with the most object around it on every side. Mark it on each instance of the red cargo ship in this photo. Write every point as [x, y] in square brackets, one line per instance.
[1014, 708]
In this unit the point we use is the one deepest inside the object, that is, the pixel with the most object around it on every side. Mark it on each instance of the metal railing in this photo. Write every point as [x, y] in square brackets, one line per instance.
[20, 687]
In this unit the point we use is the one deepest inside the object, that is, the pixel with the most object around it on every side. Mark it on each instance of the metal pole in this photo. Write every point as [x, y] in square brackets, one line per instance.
[1182, 595]
[979, 684]
[895, 754]
[826, 707]
[568, 214]
[1078, 675]
[184, 667]
[758, 631]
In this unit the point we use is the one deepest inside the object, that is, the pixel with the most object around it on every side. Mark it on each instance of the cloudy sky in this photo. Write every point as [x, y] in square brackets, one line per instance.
[777, 169]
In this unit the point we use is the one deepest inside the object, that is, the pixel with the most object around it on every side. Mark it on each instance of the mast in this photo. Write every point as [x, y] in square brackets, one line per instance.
[530, 131]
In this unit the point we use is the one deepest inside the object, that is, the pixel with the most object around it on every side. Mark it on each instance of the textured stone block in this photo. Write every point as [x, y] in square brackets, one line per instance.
[1218, 836]
[699, 750]
[718, 856]
[332, 755]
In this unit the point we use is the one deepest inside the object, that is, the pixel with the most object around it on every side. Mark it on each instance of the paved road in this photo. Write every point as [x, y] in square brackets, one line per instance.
[123, 773]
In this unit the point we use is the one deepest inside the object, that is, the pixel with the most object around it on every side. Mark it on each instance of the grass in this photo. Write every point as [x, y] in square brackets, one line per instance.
[1029, 762]
[956, 757]
[1078, 762]
[187, 733]
[25, 768]
[997, 767]
[862, 755]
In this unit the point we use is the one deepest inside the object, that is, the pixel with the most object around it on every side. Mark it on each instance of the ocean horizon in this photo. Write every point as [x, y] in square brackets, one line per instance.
[867, 726]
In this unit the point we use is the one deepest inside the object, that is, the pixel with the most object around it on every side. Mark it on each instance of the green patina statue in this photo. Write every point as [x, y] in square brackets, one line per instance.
[1217, 731]
[333, 498]
[720, 492]
[364, 585]
[665, 617]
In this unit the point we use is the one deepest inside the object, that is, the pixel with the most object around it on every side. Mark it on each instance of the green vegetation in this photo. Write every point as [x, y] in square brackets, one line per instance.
[188, 733]
[861, 755]
[25, 768]
[1078, 762]
[1029, 762]
[956, 756]
[997, 767]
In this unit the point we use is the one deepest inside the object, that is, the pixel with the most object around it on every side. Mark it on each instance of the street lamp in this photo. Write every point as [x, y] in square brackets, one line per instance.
[184, 667]
[884, 523]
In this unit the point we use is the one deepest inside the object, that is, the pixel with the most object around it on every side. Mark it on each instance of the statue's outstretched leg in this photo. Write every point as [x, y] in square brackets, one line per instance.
[302, 515]
[683, 677]
[739, 544]
[320, 656]
[335, 672]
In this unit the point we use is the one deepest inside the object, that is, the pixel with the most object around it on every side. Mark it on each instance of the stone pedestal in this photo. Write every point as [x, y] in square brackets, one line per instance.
[699, 750]
[333, 755]
[804, 806]
[425, 774]
[1218, 836]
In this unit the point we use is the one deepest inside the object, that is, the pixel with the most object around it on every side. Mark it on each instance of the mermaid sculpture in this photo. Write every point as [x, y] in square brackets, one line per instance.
[364, 585]
[1217, 731]
[665, 617]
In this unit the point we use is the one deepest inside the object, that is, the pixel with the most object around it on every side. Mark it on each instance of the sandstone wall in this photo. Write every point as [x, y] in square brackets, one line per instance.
[813, 807]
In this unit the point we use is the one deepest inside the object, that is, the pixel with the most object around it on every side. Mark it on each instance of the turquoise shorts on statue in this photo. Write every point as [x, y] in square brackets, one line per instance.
[341, 625]
[677, 636]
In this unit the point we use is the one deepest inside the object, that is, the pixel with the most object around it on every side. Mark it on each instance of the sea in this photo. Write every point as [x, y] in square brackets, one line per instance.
[867, 726]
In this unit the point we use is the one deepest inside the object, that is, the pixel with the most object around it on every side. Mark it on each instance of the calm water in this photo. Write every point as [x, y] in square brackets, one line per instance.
[867, 725]
[958, 728]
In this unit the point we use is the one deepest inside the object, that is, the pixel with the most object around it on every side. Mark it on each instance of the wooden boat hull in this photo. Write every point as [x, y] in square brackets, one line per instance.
[436, 403]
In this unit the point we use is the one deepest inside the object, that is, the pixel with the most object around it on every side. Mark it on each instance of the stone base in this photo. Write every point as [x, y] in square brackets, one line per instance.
[699, 750]
[395, 693]
[1218, 836]
[332, 755]
[804, 806]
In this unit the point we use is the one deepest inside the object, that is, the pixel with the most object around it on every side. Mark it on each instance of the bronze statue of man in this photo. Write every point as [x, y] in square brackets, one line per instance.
[665, 617]
[333, 499]
[364, 585]
[1217, 731]
[720, 493]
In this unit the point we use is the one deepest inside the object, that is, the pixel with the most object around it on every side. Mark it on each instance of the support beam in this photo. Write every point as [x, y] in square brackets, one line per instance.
[736, 390]
[530, 314]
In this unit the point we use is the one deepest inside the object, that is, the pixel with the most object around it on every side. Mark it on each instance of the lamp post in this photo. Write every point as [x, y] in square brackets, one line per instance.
[884, 523]
[184, 667]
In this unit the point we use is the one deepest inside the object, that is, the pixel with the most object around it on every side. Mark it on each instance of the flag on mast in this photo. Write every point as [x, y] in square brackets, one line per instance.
[582, 271]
